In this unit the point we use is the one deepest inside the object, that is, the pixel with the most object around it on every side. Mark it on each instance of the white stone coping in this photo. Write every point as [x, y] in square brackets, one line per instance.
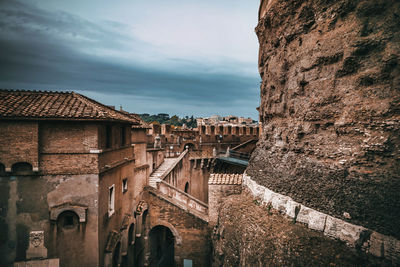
[353, 235]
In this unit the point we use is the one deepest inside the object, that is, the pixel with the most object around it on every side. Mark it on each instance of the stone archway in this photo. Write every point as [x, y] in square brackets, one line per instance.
[162, 247]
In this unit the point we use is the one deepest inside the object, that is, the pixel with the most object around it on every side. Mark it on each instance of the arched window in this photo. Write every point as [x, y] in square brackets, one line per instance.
[21, 168]
[68, 220]
[161, 241]
[187, 188]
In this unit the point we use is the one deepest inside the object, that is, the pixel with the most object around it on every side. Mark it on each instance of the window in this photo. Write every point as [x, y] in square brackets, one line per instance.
[187, 188]
[124, 185]
[123, 136]
[68, 220]
[108, 136]
[187, 263]
[111, 200]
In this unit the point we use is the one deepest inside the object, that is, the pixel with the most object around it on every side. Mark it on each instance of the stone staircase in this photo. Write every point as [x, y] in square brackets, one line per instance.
[161, 171]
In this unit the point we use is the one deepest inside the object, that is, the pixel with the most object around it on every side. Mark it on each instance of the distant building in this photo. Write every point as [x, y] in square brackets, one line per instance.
[227, 120]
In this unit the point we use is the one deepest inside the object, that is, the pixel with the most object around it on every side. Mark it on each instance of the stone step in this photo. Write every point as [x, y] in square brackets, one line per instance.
[160, 171]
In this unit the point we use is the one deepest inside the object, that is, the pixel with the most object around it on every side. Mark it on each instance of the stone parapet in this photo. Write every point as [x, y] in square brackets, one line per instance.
[353, 235]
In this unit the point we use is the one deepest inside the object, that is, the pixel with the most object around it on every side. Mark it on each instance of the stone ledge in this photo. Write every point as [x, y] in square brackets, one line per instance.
[353, 235]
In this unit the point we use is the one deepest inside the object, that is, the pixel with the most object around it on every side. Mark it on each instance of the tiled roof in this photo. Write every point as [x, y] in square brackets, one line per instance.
[225, 178]
[21, 104]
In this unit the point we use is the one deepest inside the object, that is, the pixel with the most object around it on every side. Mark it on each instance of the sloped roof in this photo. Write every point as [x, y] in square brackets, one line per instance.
[24, 104]
[225, 179]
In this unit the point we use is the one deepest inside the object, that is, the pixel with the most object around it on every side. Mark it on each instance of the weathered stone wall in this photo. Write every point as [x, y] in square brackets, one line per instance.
[25, 204]
[198, 180]
[353, 235]
[251, 234]
[330, 108]
[124, 202]
[216, 196]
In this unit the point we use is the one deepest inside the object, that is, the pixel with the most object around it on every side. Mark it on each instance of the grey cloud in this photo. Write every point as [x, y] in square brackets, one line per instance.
[42, 50]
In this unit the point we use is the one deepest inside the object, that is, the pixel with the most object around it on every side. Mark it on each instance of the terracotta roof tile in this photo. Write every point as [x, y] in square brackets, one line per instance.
[225, 179]
[21, 104]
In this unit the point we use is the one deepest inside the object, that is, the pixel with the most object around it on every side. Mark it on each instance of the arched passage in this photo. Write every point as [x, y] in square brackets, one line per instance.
[162, 243]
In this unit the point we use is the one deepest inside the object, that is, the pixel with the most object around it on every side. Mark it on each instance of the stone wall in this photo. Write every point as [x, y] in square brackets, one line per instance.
[330, 105]
[26, 204]
[216, 195]
[251, 234]
[353, 235]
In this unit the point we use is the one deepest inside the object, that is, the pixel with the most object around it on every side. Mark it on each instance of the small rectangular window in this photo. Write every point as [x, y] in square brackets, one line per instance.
[124, 185]
[111, 200]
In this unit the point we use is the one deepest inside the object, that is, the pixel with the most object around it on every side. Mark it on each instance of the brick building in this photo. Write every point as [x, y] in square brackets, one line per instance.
[67, 167]
[75, 174]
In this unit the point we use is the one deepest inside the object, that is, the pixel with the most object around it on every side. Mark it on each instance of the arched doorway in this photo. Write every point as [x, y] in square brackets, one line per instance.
[115, 257]
[162, 243]
[128, 260]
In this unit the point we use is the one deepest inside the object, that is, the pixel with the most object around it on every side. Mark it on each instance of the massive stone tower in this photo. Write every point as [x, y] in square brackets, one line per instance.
[330, 107]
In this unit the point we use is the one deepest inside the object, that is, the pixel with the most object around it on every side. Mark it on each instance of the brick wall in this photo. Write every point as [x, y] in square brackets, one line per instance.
[18, 142]
[216, 193]
[192, 231]
[68, 137]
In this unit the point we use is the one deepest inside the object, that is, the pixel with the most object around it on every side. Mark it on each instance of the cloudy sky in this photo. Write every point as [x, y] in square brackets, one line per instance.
[178, 56]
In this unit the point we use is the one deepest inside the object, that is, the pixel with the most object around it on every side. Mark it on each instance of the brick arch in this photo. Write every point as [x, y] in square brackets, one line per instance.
[175, 232]
[80, 211]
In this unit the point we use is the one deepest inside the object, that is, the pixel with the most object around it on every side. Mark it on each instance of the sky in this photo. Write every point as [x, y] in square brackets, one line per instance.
[184, 57]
